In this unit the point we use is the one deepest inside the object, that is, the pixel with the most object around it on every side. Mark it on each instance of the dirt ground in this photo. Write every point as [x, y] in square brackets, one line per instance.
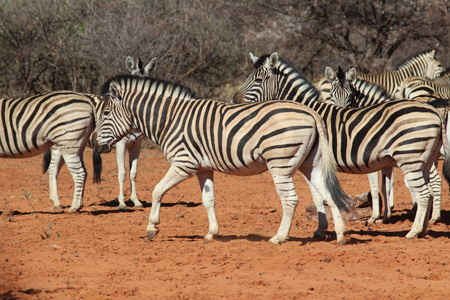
[103, 253]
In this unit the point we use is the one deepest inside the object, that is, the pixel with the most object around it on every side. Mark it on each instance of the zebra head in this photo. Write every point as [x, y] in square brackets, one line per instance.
[115, 121]
[262, 80]
[342, 90]
[424, 64]
[138, 67]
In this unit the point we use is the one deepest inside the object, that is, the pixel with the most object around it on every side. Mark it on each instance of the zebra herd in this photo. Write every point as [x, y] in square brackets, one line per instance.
[349, 123]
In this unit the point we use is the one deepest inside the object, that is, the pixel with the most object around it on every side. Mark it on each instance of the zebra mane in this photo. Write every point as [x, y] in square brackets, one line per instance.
[412, 59]
[182, 90]
[260, 61]
[340, 75]
[371, 91]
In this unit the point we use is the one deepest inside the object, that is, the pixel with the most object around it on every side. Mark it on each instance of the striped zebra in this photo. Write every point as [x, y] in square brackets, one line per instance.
[30, 126]
[415, 87]
[349, 91]
[199, 137]
[424, 64]
[131, 143]
[367, 139]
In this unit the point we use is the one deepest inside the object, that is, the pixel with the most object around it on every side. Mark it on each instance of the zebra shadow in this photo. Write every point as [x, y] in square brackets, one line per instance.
[130, 205]
[256, 238]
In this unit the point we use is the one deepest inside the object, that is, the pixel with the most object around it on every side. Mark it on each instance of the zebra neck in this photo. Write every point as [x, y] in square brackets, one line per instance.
[293, 86]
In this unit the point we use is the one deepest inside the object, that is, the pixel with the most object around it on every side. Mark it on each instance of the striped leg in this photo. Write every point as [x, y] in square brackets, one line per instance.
[436, 190]
[55, 166]
[174, 176]
[388, 192]
[418, 182]
[321, 214]
[289, 200]
[206, 180]
[374, 191]
[120, 154]
[317, 180]
[75, 165]
[133, 155]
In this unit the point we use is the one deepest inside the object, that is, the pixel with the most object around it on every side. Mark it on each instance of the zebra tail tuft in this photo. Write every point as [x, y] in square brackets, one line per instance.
[97, 162]
[46, 161]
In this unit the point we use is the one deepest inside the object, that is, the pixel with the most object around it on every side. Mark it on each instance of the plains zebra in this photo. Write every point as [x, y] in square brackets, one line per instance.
[367, 139]
[199, 137]
[30, 126]
[349, 91]
[131, 142]
[424, 64]
[415, 87]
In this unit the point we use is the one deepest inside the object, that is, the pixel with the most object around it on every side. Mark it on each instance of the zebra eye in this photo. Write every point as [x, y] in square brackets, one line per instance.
[258, 80]
[106, 112]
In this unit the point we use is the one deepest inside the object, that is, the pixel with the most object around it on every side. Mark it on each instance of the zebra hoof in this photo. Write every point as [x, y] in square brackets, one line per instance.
[343, 241]
[434, 221]
[59, 207]
[152, 234]
[122, 208]
[139, 206]
[411, 235]
[73, 210]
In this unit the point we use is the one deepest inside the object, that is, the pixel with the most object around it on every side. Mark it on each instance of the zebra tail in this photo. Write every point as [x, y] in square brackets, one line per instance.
[46, 161]
[97, 163]
[340, 198]
[446, 165]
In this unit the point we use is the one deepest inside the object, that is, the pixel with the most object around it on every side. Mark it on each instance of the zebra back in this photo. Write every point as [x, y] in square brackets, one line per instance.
[414, 87]
[424, 64]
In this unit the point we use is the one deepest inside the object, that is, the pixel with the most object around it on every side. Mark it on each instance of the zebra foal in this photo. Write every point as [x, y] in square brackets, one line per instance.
[199, 137]
[407, 133]
[30, 126]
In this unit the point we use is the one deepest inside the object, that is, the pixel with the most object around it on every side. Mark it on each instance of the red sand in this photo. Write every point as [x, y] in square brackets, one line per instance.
[102, 253]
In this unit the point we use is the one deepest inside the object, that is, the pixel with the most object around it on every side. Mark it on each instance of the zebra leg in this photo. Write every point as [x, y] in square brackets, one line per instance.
[75, 165]
[55, 166]
[436, 190]
[133, 158]
[174, 176]
[289, 200]
[413, 196]
[120, 154]
[418, 182]
[387, 190]
[317, 181]
[206, 181]
[321, 214]
[374, 190]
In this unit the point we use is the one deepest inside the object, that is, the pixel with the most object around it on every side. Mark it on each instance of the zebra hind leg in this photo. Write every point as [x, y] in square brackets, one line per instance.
[206, 181]
[321, 214]
[133, 158]
[54, 167]
[374, 191]
[436, 190]
[75, 165]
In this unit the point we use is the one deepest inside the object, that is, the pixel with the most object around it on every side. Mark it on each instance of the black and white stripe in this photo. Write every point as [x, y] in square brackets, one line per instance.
[403, 133]
[198, 137]
[30, 126]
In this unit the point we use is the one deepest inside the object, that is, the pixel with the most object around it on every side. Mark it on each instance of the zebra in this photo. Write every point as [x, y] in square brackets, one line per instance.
[131, 142]
[424, 64]
[363, 140]
[32, 125]
[349, 91]
[415, 87]
[198, 137]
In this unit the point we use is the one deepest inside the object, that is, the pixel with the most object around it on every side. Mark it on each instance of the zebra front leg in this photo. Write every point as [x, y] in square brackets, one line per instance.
[120, 155]
[374, 191]
[206, 180]
[54, 167]
[321, 214]
[133, 155]
[174, 176]
[75, 165]
[436, 190]
[289, 200]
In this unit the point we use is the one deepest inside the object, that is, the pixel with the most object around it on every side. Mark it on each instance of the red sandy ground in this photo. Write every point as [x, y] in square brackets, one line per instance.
[101, 253]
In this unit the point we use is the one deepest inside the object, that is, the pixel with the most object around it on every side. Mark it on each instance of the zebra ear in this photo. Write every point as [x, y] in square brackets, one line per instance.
[433, 53]
[351, 75]
[129, 62]
[115, 91]
[329, 74]
[272, 61]
[253, 58]
[150, 66]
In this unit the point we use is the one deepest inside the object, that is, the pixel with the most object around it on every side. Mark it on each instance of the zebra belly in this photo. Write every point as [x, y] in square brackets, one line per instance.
[22, 152]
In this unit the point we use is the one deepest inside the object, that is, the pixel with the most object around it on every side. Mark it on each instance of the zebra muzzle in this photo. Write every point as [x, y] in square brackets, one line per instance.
[99, 146]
